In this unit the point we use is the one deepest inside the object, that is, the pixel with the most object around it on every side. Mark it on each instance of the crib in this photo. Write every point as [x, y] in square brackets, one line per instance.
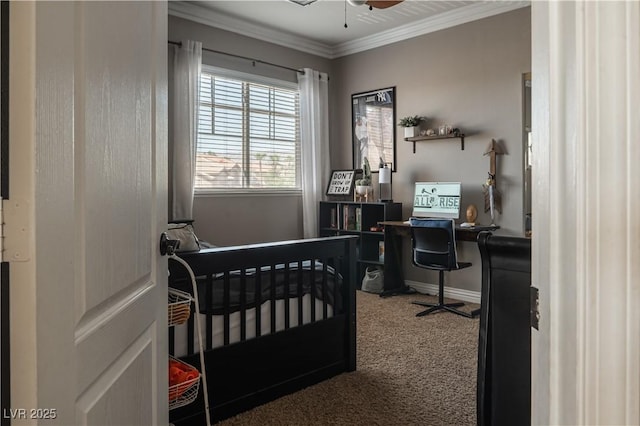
[275, 318]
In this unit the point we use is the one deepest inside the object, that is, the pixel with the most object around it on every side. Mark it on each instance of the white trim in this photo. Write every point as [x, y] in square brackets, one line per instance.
[205, 16]
[24, 378]
[475, 11]
[449, 292]
[541, 398]
[432, 24]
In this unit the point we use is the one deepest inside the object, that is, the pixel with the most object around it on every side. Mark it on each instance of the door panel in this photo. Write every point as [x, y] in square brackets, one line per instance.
[94, 356]
[109, 399]
[90, 305]
[113, 193]
[115, 148]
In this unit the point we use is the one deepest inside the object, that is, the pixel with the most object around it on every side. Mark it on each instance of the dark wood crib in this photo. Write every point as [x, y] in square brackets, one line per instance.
[293, 306]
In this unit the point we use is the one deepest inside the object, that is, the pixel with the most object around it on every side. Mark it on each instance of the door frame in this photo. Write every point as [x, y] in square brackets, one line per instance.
[585, 366]
[5, 325]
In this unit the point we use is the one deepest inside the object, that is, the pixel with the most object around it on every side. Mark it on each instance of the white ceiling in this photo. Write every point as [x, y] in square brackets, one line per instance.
[318, 28]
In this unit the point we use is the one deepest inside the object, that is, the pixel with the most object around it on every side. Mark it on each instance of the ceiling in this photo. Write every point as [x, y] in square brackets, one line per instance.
[319, 28]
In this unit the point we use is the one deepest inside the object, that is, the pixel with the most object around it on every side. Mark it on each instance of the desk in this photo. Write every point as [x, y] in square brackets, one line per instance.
[394, 231]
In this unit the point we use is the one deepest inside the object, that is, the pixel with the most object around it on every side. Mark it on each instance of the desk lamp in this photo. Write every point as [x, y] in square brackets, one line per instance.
[384, 181]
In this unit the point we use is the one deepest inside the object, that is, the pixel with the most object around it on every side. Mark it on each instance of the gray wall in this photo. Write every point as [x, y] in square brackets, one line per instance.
[468, 76]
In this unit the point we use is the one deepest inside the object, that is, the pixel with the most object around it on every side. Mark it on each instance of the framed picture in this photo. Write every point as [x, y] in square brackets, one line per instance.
[373, 118]
[341, 182]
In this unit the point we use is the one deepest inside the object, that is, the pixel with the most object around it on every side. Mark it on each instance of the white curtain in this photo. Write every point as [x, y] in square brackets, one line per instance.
[187, 64]
[314, 132]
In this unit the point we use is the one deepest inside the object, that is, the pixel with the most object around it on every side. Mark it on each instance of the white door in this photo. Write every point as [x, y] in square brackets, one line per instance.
[87, 204]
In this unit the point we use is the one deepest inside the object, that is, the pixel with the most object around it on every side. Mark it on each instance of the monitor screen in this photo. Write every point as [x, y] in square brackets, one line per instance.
[437, 199]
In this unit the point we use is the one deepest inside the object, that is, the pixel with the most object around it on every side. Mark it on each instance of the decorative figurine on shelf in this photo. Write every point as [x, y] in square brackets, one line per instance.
[471, 215]
[364, 190]
[492, 197]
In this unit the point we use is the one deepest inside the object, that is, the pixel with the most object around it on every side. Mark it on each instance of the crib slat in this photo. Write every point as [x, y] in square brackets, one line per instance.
[300, 295]
[258, 303]
[273, 298]
[312, 275]
[226, 297]
[243, 305]
[286, 296]
[324, 288]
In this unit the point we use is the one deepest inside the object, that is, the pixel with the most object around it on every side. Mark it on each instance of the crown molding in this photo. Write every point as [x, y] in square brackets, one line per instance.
[445, 20]
[439, 22]
[205, 16]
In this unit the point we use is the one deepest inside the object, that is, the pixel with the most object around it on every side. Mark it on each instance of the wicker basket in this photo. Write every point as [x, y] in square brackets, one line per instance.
[187, 383]
[179, 307]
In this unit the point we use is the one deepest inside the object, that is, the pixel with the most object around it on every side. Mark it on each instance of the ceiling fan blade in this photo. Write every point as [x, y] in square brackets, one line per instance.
[382, 4]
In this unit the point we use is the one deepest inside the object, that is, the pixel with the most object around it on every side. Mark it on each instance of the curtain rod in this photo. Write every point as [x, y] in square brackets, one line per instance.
[178, 43]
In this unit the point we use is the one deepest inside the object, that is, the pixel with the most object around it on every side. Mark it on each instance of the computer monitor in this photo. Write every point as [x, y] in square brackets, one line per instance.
[437, 199]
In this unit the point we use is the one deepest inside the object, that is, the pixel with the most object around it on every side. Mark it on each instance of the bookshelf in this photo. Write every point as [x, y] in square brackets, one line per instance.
[354, 218]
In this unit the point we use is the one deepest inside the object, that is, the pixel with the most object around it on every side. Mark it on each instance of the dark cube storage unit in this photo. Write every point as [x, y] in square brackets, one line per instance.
[354, 218]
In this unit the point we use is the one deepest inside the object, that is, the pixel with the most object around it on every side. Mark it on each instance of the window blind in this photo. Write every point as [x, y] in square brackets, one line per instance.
[248, 135]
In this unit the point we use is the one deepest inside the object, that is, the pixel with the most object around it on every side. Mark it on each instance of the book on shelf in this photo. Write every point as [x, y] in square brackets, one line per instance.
[345, 217]
[358, 221]
[350, 218]
[334, 218]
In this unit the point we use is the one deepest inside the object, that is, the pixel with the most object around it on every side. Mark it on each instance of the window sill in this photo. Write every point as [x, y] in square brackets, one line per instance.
[249, 193]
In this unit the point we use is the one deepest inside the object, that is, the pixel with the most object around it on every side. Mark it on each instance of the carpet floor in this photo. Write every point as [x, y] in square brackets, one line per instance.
[410, 371]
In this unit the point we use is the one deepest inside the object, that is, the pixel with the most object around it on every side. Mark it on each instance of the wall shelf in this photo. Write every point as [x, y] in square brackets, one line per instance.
[429, 138]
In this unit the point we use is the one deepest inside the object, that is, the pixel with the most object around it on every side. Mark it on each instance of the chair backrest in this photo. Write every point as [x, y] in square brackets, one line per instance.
[433, 243]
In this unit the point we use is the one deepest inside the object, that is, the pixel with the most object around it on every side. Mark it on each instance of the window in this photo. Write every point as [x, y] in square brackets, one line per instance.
[248, 133]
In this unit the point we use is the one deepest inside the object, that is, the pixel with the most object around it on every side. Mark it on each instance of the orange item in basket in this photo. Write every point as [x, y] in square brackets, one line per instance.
[174, 375]
[179, 373]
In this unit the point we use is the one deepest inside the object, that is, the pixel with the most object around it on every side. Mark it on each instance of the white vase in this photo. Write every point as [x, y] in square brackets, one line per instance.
[410, 132]
[362, 190]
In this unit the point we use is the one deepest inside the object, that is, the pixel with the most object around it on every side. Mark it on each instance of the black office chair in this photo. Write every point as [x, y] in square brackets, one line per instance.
[434, 247]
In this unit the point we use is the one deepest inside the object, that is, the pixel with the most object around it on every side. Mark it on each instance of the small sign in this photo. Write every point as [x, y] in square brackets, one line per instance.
[437, 199]
[341, 182]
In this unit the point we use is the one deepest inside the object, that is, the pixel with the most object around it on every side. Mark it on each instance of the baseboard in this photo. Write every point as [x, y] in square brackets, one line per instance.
[449, 292]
